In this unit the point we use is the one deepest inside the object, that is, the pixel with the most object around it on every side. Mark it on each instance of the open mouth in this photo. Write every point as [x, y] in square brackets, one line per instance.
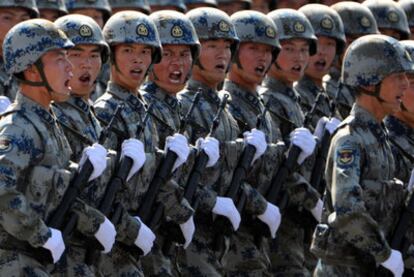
[297, 68]
[260, 69]
[85, 78]
[220, 67]
[136, 72]
[67, 84]
[320, 64]
[175, 77]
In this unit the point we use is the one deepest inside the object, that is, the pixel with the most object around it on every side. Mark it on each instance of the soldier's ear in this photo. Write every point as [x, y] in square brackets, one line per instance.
[368, 88]
[32, 73]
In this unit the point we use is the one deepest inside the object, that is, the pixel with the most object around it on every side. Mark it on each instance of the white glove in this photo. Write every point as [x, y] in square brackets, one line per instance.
[332, 125]
[4, 103]
[272, 218]
[96, 154]
[210, 146]
[145, 238]
[258, 139]
[179, 145]
[188, 229]
[302, 138]
[55, 244]
[225, 206]
[134, 149]
[411, 181]
[320, 127]
[394, 263]
[106, 235]
[317, 210]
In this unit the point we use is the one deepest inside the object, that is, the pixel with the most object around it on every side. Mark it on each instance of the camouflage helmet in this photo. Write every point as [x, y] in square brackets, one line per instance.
[408, 7]
[206, 3]
[27, 41]
[133, 27]
[326, 22]
[358, 19]
[371, 58]
[57, 5]
[409, 47]
[101, 5]
[389, 15]
[29, 5]
[212, 23]
[175, 28]
[293, 24]
[143, 5]
[82, 29]
[254, 26]
[179, 4]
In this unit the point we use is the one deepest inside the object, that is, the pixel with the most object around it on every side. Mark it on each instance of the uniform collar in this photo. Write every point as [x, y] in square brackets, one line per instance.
[79, 104]
[275, 85]
[25, 104]
[398, 127]
[308, 83]
[157, 92]
[363, 117]
[125, 95]
[208, 93]
[239, 92]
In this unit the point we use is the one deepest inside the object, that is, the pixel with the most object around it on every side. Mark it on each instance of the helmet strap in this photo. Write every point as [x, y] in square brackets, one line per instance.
[44, 83]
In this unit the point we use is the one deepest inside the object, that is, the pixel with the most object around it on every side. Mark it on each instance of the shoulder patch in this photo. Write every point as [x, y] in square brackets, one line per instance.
[345, 157]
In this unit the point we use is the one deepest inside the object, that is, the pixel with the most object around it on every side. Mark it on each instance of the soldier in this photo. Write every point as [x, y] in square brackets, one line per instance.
[358, 21]
[81, 126]
[408, 7]
[363, 199]
[35, 153]
[135, 46]
[329, 30]
[157, 5]
[51, 10]
[287, 251]
[136, 5]
[390, 17]
[11, 13]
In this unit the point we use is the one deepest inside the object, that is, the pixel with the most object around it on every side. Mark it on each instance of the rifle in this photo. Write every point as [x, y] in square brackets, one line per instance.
[58, 220]
[174, 234]
[235, 190]
[117, 182]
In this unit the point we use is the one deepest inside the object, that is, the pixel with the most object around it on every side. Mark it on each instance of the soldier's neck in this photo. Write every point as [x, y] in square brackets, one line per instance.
[200, 77]
[372, 105]
[278, 75]
[39, 95]
[406, 117]
[317, 81]
[239, 80]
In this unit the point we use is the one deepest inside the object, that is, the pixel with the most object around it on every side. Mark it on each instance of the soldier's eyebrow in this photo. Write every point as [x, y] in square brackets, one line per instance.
[79, 48]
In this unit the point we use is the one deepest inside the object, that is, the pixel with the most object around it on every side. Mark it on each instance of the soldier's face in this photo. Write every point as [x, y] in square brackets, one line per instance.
[10, 17]
[261, 6]
[390, 32]
[87, 62]
[292, 60]
[392, 90]
[96, 15]
[58, 71]
[49, 14]
[172, 72]
[408, 96]
[132, 63]
[321, 62]
[255, 59]
[214, 58]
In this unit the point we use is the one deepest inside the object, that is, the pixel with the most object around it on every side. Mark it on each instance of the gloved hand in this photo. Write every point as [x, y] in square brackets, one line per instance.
[317, 210]
[179, 145]
[320, 127]
[411, 181]
[302, 138]
[332, 125]
[225, 206]
[55, 244]
[96, 154]
[4, 103]
[394, 263]
[272, 218]
[106, 235]
[188, 229]
[134, 149]
[145, 238]
[258, 139]
[210, 146]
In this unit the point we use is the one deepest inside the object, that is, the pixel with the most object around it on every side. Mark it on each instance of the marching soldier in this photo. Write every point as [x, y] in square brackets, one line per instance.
[135, 46]
[363, 199]
[408, 7]
[35, 153]
[51, 10]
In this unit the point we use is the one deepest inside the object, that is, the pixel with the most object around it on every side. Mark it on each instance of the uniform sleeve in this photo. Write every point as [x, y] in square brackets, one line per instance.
[17, 216]
[350, 216]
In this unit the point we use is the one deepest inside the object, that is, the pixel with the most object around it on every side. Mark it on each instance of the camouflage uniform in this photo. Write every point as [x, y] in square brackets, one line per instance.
[363, 199]
[34, 161]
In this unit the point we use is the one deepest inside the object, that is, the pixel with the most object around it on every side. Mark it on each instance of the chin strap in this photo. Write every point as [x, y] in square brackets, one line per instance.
[44, 83]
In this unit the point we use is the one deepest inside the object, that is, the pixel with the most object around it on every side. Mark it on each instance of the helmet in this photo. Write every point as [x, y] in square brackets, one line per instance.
[101, 5]
[253, 26]
[408, 7]
[358, 19]
[57, 5]
[371, 58]
[206, 3]
[179, 4]
[409, 47]
[29, 5]
[326, 22]
[175, 28]
[293, 24]
[212, 23]
[389, 15]
[133, 27]
[27, 41]
[131, 4]
[82, 29]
